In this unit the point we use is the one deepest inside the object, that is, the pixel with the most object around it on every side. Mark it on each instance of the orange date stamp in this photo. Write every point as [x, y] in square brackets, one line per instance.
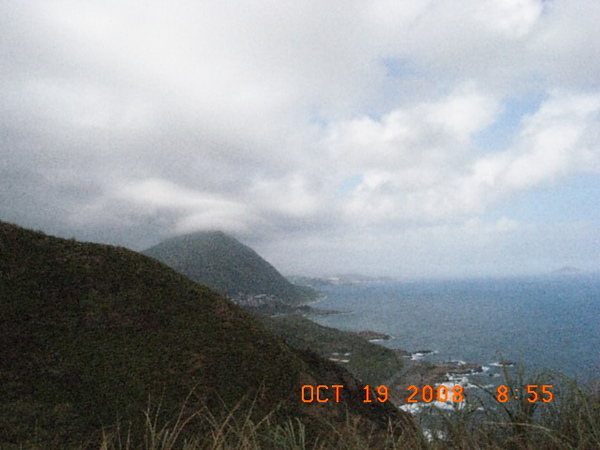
[324, 393]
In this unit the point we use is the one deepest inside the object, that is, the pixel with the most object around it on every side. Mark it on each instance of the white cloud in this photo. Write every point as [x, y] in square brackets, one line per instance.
[505, 224]
[560, 139]
[411, 160]
[429, 132]
[407, 173]
[308, 120]
[512, 18]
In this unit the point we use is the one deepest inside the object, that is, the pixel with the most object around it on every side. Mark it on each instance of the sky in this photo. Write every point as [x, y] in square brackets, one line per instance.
[410, 138]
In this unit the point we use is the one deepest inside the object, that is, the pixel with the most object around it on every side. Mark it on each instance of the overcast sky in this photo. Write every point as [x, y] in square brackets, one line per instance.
[396, 137]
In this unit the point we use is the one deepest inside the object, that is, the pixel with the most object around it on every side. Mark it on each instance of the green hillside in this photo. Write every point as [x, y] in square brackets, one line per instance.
[226, 265]
[371, 363]
[91, 335]
[223, 263]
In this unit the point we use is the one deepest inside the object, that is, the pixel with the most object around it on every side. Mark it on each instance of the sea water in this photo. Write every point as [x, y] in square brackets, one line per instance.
[541, 323]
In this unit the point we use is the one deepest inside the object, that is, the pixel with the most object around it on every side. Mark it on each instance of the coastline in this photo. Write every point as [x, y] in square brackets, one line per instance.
[473, 319]
[417, 371]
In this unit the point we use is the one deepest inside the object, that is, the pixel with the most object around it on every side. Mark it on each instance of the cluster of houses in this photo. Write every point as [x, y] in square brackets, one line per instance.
[254, 300]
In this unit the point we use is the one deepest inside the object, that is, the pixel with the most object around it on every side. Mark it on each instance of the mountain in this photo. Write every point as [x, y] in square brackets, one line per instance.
[95, 338]
[226, 265]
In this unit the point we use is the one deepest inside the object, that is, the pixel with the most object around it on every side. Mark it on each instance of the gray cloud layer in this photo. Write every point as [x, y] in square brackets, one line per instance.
[338, 135]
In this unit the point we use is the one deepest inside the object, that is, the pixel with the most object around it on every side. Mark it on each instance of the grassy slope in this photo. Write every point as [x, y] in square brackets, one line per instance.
[373, 364]
[90, 333]
[226, 265]
[221, 262]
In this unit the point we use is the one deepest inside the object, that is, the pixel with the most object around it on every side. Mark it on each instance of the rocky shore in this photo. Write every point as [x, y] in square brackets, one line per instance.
[420, 373]
[371, 335]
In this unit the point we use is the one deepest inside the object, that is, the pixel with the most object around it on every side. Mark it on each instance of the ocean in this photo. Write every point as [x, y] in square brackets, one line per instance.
[541, 323]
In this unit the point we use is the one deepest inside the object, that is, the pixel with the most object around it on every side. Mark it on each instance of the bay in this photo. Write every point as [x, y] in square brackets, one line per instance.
[541, 323]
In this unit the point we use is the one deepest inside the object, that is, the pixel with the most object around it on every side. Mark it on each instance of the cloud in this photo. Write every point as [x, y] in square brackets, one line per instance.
[560, 139]
[127, 122]
[407, 159]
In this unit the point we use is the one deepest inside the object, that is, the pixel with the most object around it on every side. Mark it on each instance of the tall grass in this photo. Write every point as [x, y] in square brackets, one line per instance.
[238, 428]
[571, 421]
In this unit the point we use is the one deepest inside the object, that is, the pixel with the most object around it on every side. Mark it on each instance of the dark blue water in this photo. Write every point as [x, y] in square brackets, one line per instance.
[541, 323]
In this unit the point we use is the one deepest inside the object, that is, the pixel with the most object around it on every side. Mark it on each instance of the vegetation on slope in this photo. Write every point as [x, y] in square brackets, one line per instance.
[571, 421]
[371, 363]
[103, 348]
[226, 265]
[93, 334]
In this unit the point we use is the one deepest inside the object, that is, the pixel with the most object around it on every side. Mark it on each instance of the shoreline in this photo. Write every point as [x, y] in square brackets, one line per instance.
[419, 373]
